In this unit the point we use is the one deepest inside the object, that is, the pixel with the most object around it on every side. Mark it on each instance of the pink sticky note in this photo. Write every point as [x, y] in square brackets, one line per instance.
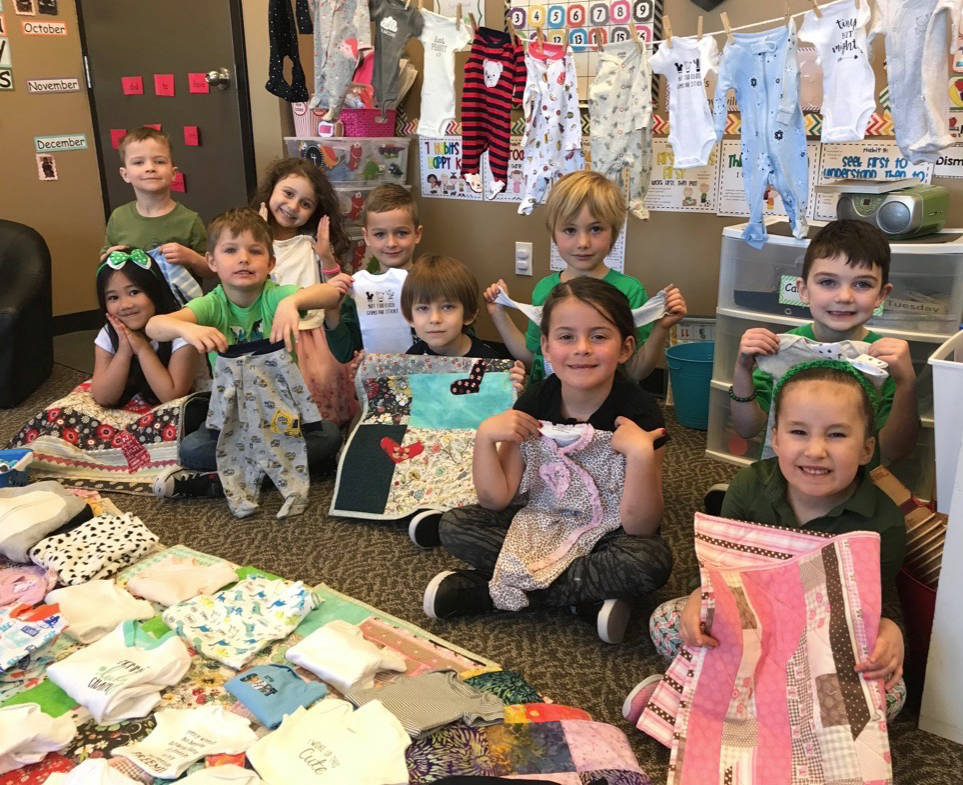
[192, 135]
[116, 134]
[178, 184]
[197, 83]
[164, 84]
[132, 85]
[155, 126]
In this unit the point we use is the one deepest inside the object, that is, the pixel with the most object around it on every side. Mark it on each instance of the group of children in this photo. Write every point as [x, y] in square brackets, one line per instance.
[278, 279]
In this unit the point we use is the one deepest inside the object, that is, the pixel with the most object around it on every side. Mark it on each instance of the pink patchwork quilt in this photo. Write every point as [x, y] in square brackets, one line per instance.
[778, 701]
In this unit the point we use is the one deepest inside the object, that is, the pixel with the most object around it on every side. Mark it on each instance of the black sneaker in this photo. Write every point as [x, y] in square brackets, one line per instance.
[611, 618]
[713, 498]
[423, 529]
[456, 593]
[180, 483]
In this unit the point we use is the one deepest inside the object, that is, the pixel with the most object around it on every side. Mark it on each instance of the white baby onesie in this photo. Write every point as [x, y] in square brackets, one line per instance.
[378, 300]
[27, 734]
[228, 774]
[176, 579]
[339, 654]
[848, 79]
[685, 66]
[916, 68]
[298, 265]
[441, 37]
[329, 744]
[93, 609]
[93, 771]
[121, 675]
[183, 736]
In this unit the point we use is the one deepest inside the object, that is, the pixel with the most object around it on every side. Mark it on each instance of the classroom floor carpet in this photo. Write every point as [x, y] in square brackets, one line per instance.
[558, 654]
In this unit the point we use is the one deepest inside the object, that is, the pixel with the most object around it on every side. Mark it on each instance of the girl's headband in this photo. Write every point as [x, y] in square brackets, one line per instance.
[839, 365]
[117, 259]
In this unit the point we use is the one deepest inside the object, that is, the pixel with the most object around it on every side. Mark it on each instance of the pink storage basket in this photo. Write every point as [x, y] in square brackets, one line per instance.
[367, 122]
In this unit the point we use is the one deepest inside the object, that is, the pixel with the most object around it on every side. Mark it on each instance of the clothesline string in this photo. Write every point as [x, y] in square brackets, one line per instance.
[531, 38]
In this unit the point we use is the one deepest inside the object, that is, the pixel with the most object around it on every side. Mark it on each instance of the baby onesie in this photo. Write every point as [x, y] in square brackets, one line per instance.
[395, 22]
[94, 608]
[574, 492]
[27, 734]
[183, 736]
[258, 403]
[24, 629]
[378, 302]
[30, 513]
[284, 44]
[553, 128]
[762, 69]
[121, 675]
[494, 80]
[233, 625]
[342, 34]
[339, 654]
[176, 579]
[93, 771]
[848, 80]
[441, 37]
[916, 68]
[685, 65]
[25, 585]
[271, 691]
[620, 114]
[96, 549]
[226, 774]
[183, 285]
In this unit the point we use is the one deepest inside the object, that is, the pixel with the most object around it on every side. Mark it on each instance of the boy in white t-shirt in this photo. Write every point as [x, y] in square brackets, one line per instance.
[392, 231]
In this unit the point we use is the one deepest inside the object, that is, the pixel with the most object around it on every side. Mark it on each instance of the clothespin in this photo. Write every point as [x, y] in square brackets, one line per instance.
[598, 38]
[819, 14]
[458, 17]
[788, 14]
[699, 29]
[474, 22]
[636, 37]
[667, 28]
[407, 4]
[511, 30]
[727, 26]
[565, 38]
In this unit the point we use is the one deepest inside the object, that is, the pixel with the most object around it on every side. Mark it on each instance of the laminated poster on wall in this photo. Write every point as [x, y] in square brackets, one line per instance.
[866, 160]
[440, 168]
[950, 162]
[46, 167]
[615, 260]
[6, 59]
[732, 191]
[25, 7]
[691, 190]
[516, 175]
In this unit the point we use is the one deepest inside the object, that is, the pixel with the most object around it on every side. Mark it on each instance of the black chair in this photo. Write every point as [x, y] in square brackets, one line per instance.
[26, 330]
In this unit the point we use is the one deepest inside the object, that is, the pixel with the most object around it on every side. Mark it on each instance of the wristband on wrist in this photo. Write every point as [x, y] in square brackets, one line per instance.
[741, 398]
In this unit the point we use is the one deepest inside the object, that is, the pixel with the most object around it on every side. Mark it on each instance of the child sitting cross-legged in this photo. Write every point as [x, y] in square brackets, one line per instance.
[566, 523]
[823, 437]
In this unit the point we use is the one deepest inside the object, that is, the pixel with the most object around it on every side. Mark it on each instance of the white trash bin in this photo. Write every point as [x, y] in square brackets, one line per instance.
[947, 364]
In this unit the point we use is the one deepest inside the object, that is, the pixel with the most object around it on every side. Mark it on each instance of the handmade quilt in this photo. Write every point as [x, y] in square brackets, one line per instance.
[82, 444]
[778, 700]
[412, 447]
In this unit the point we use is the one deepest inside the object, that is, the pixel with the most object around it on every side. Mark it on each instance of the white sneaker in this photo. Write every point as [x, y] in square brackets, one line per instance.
[612, 620]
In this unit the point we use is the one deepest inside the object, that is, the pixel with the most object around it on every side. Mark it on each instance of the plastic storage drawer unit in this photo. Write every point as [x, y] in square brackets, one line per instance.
[354, 159]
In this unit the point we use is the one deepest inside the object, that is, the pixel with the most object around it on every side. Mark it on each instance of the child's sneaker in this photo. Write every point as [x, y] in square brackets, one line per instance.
[635, 702]
[423, 529]
[180, 483]
[713, 498]
[611, 618]
[456, 593]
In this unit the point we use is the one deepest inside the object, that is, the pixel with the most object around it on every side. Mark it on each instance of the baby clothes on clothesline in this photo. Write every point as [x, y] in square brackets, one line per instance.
[441, 37]
[342, 34]
[395, 22]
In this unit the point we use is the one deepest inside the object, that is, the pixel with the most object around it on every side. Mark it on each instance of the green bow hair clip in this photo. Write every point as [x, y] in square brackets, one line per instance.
[117, 259]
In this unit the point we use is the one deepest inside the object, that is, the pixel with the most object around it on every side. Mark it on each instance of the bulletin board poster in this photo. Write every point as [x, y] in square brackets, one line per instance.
[731, 187]
[870, 161]
[516, 177]
[440, 160]
[691, 190]
[582, 24]
[950, 162]
[615, 260]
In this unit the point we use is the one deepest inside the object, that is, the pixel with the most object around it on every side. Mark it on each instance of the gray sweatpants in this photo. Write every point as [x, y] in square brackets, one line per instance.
[620, 566]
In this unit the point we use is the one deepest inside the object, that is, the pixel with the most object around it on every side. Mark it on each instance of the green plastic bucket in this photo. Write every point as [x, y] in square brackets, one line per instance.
[690, 371]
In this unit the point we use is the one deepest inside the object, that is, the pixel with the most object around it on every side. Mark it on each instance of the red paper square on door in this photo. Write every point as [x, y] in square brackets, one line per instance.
[132, 85]
[116, 134]
[192, 135]
[178, 184]
[155, 126]
[197, 83]
[164, 84]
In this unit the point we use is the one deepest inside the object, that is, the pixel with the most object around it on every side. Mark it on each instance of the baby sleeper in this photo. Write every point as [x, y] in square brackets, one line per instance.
[259, 403]
[848, 80]
[441, 37]
[762, 69]
[494, 80]
[342, 34]
[620, 112]
[916, 52]
[685, 66]
[395, 22]
[553, 135]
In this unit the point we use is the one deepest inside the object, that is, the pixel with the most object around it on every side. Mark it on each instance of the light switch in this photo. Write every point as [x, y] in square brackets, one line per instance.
[523, 258]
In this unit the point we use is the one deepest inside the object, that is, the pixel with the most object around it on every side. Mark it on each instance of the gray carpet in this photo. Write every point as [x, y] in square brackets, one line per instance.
[559, 654]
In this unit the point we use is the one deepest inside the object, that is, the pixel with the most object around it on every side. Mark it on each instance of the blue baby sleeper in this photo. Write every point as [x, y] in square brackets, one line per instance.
[762, 69]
